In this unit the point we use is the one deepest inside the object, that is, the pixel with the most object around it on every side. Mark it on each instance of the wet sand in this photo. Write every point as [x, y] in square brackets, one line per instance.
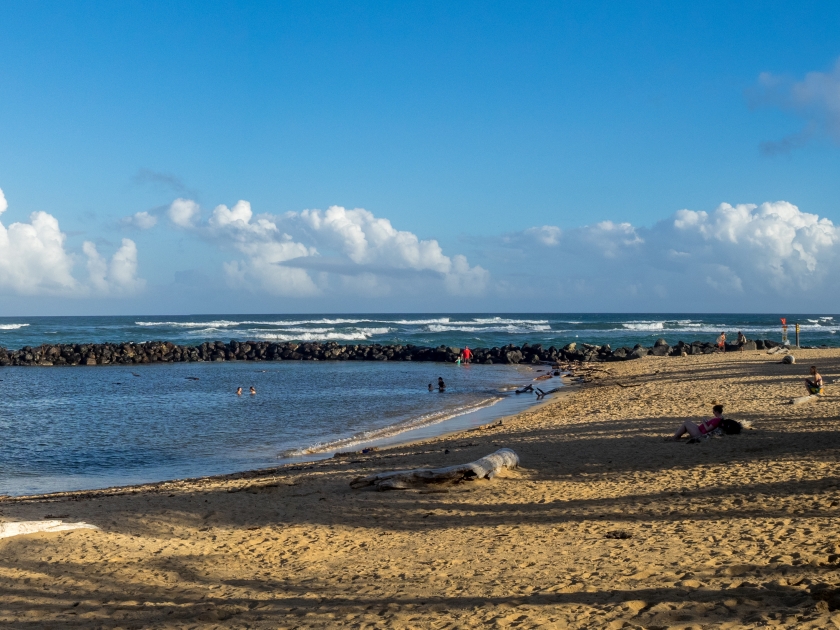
[605, 525]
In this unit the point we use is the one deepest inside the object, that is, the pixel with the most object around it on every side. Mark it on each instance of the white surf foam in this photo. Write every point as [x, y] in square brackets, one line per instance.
[511, 329]
[12, 326]
[360, 334]
[502, 320]
[390, 431]
[644, 325]
[213, 324]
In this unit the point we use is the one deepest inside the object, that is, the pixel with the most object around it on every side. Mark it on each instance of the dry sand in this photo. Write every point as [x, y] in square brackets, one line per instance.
[734, 532]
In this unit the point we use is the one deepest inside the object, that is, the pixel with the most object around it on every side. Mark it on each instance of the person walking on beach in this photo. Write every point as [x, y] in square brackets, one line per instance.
[721, 342]
[742, 339]
[699, 430]
[815, 383]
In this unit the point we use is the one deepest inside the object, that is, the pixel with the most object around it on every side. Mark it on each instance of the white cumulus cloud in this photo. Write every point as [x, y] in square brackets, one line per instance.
[142, 220]
[371, 241]
[743, 256]
[266, 247]
[117, 276]
[298, 253]
[183, 212]
[34, 261]
[546, 234]
[775, 240]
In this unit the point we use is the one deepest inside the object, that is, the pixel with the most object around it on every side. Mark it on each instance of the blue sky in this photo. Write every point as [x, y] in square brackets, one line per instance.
[537, 155]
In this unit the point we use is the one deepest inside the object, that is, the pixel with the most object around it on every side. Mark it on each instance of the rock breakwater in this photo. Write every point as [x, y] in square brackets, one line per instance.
[167, 352]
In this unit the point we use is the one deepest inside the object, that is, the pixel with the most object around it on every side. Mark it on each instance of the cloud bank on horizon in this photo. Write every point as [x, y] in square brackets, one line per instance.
[731, 256]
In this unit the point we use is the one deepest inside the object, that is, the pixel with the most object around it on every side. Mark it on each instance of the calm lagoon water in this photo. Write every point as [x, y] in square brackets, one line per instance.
[91, 427]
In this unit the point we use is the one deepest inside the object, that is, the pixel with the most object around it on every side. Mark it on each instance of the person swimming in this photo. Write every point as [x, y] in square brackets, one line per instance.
[431, 387]
[441, 384]
[253, 391]
[238, 391]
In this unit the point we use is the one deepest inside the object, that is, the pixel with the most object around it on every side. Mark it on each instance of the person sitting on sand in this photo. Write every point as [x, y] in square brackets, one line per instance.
[721, 342]
[705, 426]
[238, 391]
[253, 391]
[441, 384]
[815, 383]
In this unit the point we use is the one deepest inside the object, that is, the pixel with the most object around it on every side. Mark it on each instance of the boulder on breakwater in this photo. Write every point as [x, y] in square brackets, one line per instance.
[167, 352]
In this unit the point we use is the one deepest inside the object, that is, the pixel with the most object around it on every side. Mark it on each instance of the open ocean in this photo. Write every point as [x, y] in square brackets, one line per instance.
[423, 330]
[87, 427]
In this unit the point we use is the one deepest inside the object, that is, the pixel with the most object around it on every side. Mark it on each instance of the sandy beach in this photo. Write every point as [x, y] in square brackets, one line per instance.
[604, 525]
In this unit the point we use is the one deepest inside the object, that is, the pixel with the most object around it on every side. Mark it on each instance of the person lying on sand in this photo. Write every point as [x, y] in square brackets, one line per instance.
[699, 430]
[815, 383]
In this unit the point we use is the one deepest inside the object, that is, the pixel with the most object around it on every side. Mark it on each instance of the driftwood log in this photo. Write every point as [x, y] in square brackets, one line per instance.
[541, 394]
[484, 468]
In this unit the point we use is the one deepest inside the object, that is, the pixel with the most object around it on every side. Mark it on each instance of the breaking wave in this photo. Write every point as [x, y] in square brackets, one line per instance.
[12, 326]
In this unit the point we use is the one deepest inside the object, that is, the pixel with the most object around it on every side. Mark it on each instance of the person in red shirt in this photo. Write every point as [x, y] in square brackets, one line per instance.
[466, 355]
[705, 427]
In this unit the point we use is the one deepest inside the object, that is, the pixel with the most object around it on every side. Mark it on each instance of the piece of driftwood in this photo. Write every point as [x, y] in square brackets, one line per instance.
[484, 468]
[541, 394]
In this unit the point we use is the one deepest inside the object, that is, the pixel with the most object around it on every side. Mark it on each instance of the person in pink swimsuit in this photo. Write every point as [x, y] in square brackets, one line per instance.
[705, 427]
